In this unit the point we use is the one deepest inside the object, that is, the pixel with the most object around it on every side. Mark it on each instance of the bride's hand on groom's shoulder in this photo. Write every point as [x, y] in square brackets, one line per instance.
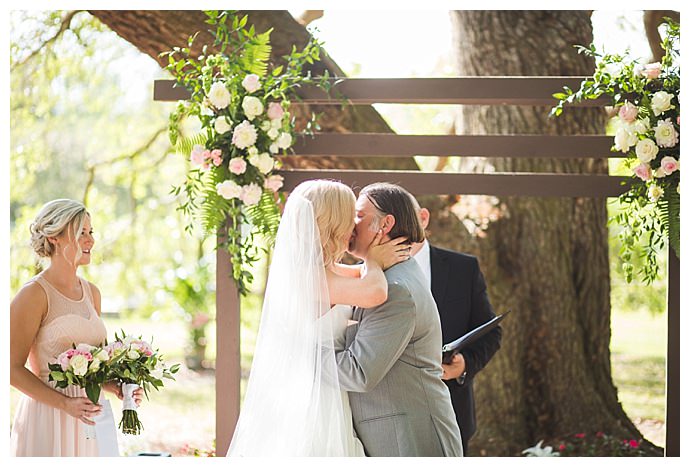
[388, 253]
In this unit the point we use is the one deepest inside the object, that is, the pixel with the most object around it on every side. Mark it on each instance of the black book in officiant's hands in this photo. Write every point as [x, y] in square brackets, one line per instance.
[453, 348]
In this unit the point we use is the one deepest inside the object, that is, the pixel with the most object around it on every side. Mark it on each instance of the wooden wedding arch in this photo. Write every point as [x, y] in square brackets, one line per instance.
[532, 91]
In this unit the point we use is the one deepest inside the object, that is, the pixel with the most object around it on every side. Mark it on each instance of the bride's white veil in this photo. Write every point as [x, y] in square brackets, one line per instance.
[293, 403]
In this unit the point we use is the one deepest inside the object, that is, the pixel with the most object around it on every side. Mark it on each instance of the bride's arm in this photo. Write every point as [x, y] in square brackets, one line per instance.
[369, 287]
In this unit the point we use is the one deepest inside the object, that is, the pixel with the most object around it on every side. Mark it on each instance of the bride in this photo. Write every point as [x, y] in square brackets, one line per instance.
[294, 405]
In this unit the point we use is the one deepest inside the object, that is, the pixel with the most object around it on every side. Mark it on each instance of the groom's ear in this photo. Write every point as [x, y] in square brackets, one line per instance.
[387, 224]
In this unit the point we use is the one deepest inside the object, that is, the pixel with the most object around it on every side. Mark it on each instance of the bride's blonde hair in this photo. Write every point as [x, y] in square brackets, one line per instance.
[334, 211]
[55, 218]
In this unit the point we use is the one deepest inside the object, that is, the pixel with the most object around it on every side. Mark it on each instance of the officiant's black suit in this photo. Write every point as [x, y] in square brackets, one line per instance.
[459, 290]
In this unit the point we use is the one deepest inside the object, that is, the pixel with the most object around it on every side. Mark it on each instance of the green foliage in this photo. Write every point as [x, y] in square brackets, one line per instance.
[237, 53]
[650, 208]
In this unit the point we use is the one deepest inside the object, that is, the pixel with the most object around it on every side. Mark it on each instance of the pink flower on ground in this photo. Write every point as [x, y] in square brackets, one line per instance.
[628, 112]
[634, 444]
[580, 435]
[643, 171]
[237, 165]
[275, 111]
[561, 447]
[651, 70]
[669, 165]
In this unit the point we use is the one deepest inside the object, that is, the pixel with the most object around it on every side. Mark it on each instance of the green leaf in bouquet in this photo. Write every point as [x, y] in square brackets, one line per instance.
[57, 376]
[70, 379]
[93, 392]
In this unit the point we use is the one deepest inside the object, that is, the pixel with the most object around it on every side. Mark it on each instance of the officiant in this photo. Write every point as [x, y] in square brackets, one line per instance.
[459, 290]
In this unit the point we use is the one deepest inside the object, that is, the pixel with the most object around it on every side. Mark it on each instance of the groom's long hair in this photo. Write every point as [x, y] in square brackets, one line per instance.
[392, 199]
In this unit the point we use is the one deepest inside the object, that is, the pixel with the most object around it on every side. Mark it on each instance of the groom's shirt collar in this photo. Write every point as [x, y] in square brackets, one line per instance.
[423, 258]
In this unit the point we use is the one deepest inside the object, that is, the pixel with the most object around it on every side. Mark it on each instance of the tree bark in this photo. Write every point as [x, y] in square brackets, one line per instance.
[546, 259]
[154, 32]
[652, 21]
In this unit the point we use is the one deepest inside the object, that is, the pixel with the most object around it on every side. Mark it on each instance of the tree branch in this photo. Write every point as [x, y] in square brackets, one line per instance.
[308, 16]
[652, 21]
[64, 26]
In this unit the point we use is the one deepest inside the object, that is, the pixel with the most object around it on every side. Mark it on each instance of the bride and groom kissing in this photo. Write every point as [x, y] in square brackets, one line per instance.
[348, 358]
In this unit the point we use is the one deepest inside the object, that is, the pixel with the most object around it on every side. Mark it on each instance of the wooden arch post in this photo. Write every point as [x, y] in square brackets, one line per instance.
[536, 91]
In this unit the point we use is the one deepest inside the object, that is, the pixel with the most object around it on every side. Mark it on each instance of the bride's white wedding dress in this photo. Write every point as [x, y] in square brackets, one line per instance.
[293, 404]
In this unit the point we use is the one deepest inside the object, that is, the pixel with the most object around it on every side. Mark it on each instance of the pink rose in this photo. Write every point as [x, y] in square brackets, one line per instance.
[197, 156]
[237, 165]
[217, 157]
[643, 171]
[669, 165]
[651, 70]
[275, 111]
[274, 183]
[628, 112]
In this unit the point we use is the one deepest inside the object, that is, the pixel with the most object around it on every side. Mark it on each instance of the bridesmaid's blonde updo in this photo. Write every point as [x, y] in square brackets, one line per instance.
[55, 218]
[334, 210]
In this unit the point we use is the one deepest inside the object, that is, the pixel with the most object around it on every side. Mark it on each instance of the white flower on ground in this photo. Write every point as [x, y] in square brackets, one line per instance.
[665, 134]
[218, 95]
[284, 140]
[646, 150]
[624, 140]
[252, 107]
[251, 194]
[655, 192]
[540, 451]
[228, 189]
[244, 135]
[251, 83]
[221, 125]
[661, 102]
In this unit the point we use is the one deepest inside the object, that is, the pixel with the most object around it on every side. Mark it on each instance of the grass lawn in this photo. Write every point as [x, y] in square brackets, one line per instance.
[181, 417]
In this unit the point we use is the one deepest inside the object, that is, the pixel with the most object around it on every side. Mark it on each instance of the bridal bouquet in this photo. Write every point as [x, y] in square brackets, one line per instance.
[134, 364]
[85, 366]
[242, 100]
[645, 105]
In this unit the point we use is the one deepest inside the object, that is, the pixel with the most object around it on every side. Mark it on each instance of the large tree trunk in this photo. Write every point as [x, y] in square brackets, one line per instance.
[154, 32]
[546, 259]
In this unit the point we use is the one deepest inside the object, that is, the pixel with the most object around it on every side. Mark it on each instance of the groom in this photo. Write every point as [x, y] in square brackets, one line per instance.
[391, 365]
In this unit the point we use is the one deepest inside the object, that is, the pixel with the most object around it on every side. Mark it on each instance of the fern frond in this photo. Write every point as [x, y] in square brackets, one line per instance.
[185, 145]
[214, 208]
[265, 217]
[257, 53]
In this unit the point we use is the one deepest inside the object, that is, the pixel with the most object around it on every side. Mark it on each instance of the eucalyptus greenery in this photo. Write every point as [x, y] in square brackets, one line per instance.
[646, 99]
[237, 54]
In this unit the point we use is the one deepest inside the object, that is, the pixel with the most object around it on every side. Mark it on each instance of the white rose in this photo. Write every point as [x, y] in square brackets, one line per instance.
[272, 133]
[265, 125]
[659, 173]
[665, 134]
[276, 124]
[251, 83]
[252, 107]
[252, 151]
[284, 140]
[244, 135]
[251, 194]
[624, 140]
[219, 96]
[101, 355]
[655, 192]
[158, 370]
[646, 150]
[273, 148]
[133, 354]
[229, 189]
[639, 126]
[661, 102]
[221, 125]
[266, 163]
[79, 365]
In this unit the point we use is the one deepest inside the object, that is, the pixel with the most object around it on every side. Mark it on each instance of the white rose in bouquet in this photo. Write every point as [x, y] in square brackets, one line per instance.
[284, 140]
[661, 102]
[79, 365]
[251, 83]
[218, 95]
[646, 150]
[251, 194]
[221, 125]
[228, 189]
[252, 107]
[665, 134]
[624, 140]
[244, 135]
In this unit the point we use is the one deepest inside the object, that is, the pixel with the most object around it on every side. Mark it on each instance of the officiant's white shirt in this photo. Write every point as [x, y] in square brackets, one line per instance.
[423, 258]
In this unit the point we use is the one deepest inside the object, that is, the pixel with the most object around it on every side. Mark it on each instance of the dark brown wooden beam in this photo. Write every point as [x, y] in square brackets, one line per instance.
[370, 144]
[503, 184]
[491, 90]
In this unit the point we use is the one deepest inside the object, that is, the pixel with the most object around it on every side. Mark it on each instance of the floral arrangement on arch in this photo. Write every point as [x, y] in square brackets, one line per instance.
[242, 101]
[646, 104]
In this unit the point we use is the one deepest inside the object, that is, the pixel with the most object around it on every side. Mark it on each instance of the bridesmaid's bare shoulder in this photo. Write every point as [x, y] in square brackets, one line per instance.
[31, 299]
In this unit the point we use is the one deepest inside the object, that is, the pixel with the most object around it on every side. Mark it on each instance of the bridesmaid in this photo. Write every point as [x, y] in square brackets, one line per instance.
[53, 310]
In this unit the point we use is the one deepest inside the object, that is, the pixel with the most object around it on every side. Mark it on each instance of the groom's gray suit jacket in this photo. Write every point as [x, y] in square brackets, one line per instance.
[391, 367]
